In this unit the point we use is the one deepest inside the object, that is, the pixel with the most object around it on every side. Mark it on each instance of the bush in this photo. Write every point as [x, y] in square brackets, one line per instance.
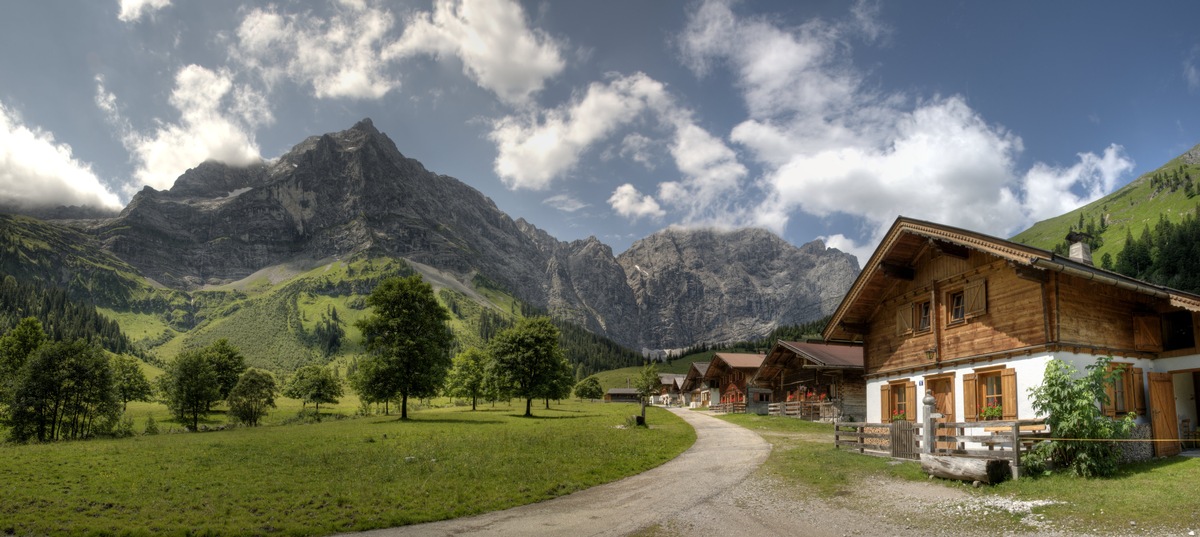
[1069, 402]
[151, 425]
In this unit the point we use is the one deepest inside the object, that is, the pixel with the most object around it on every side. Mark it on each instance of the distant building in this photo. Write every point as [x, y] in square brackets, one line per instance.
[621, 395]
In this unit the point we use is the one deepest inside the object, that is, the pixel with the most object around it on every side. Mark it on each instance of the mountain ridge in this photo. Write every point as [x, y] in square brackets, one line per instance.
[353, 193]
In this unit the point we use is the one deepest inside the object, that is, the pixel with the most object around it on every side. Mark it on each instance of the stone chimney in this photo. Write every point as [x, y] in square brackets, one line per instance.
[1080, 251]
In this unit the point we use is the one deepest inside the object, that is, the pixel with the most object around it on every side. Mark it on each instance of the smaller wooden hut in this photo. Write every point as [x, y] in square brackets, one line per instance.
[814, 380]
[694, 389]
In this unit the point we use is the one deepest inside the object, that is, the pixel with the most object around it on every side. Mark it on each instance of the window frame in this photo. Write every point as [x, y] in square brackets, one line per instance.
[922, 316]
[956, 303]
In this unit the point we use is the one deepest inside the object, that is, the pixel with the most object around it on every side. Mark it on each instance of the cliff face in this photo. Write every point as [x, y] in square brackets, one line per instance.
[707, 285]
[352, 191]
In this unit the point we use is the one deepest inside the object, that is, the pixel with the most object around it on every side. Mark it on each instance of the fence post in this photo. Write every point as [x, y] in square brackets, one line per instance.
[862, 442]
[1016, 463]
[927, 442]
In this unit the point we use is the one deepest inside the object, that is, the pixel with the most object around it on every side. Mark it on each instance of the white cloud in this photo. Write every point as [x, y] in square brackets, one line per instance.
[498, 49]
[216, 121]
[132, 10]
[37, 171]
[862, 251]
[828, 145]
[537, 147]
[340, 57]
[565, 203]
[638, 148]
[628, 202]
[1191, 72]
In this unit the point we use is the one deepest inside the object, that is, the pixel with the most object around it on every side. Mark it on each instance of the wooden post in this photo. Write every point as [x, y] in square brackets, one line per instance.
[928, 442]
[862, 442]
[1016, 462]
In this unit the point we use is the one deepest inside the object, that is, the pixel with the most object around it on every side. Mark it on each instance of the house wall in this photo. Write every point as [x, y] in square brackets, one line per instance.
[1015, 316]
[1097, 314]
[853, 391]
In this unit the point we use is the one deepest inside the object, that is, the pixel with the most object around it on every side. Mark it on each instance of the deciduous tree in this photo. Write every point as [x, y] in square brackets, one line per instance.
[408, 336]
[253, 394]
[589, 388]
[647, 385]
[228, 365]
[65, 390]
[189, 387]
[529, 356]
[314, 384]
[468, 376]
[129, 381]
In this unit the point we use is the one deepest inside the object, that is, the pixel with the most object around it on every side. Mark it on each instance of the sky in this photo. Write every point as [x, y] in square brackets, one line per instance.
[816, 119]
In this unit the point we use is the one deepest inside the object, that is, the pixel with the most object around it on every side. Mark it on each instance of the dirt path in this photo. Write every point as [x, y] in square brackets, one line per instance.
[723, 456]
[714, 488]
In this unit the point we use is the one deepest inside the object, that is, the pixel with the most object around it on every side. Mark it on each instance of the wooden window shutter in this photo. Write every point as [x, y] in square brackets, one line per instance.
[1147, 333]
[975, 299]
[1110, 408]
[904, 319]
[1008, 395]
[970, 402]
[1139, 392]
[910, 391]
[885, 403]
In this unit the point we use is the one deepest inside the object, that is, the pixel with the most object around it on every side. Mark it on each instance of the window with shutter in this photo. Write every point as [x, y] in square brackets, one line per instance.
[975, 299]
[904, 319]
[990, 394]
[1126, 394]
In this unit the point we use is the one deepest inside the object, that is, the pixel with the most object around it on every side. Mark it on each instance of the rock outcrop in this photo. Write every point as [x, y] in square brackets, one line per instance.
[353, 191]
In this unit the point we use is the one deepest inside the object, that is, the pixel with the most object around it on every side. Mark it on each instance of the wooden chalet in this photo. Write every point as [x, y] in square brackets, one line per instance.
[817, 381]
[728, 378]
[669, 393]
[974, 320]
[694, 390]
[621, 395]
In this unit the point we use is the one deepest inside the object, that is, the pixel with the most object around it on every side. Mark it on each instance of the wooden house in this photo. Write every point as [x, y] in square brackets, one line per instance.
[621, 395]
[974, 319]
[694, 390]
[669, 392]
[728, 379]
[815, 380]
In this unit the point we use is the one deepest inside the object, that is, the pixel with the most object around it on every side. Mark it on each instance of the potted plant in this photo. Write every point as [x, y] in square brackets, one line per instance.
[991, 412]
[899, 416]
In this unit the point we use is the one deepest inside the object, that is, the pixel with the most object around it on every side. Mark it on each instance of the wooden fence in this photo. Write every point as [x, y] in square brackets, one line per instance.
[1006, 440]
[805, 410]
[728, 408]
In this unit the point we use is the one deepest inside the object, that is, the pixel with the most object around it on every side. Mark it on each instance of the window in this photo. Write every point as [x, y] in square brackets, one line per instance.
[990, 394]
[1177, 330]
[1126, 393]
[957, 307]
[923, 311]
[899, 401]
[904, 319]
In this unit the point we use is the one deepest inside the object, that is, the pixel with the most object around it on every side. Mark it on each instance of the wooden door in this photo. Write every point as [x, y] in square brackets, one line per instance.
[1162, 415]
[943, 392]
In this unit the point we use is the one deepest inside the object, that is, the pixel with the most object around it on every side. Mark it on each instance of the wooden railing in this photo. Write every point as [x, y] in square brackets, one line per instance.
[728, 408]
[807, 410]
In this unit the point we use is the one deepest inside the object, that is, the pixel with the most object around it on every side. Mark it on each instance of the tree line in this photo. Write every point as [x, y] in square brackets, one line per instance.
[1166, 254]
[61, 318]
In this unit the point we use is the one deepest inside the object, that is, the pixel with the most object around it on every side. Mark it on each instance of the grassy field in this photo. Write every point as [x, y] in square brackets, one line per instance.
[320, 478]
[1157, 497]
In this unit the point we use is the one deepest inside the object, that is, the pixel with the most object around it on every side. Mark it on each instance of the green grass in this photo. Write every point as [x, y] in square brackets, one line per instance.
[1158, 496]
[338, 475]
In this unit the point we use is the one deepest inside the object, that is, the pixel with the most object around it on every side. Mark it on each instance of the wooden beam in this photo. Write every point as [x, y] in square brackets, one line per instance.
[1029, 273]
[897, 271]
[950, 249]
[855, 328]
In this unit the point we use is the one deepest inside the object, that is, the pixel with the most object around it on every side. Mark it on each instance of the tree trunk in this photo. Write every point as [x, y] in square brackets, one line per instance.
[547, 403]
[529, 407]
[404, 406]
[965, 469]
[473, 403]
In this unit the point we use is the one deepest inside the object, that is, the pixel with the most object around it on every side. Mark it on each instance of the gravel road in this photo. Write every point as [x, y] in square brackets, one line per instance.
[723, 456]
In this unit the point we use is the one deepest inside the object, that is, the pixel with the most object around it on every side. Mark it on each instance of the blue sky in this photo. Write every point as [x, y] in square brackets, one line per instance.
[822, 119]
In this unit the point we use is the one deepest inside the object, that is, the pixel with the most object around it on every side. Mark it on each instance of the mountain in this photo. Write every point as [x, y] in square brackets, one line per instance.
[299, 240]
[713, 286]
[1168, 191]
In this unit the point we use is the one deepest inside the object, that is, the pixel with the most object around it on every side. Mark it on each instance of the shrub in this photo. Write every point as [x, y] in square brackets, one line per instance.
[151, 425]
[1070, 403]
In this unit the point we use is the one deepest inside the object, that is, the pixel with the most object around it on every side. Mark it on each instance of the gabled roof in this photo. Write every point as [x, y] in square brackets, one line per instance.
[810, 355]
[908, 238]
[694, 375]
[748, 363]
[622, 391]
[669, 378]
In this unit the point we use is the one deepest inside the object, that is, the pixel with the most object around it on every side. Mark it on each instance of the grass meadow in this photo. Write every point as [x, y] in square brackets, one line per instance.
[341, 474]
[1157, 497]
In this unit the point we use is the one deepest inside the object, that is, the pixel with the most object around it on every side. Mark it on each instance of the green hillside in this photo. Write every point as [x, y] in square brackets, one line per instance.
[281, 318]
[1167, 191]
